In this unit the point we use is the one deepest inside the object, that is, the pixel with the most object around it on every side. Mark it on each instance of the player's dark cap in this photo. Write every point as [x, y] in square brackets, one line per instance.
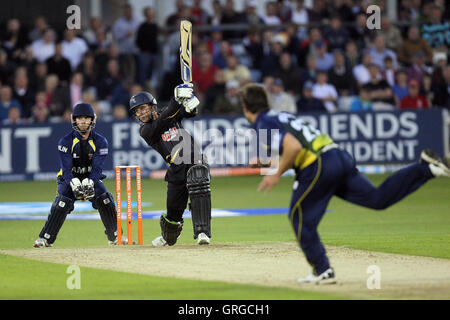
[83, 110]
[141, 98]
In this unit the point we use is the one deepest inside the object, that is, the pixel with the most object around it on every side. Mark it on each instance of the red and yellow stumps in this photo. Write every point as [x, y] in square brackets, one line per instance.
[129, 207]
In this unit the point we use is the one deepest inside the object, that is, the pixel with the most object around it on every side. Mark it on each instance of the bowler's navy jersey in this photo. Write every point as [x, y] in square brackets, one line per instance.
[82, 158]
[311, 139]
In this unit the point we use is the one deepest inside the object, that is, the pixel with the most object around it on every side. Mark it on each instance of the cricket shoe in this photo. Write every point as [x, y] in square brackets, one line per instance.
[439, 167]
[114, 243]
[41, 242]
[159, 242]
[202, 239]
[326, 277]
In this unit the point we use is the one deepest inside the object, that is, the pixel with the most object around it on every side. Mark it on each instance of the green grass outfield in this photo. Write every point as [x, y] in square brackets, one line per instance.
[418, 225]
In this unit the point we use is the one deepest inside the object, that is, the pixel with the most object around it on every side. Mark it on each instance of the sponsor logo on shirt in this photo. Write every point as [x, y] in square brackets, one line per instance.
[170, 134]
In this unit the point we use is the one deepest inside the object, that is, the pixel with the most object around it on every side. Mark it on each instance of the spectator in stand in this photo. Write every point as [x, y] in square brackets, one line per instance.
[289, 74]
[37, 79]
[379, 52]
[337, 35]
[229, 104]
[28, 60]
[361, 71]
[236, 71]
[229, 16]
[216, 18]
[40, 114]
[400, 88]
[76, 88]
[441, 91]
[362, 102]
[300, 16]
[120, 112]
[220, 58]
[325, 60]
[418, 70]
[380, 93]
[110, 81]
[6, 68]
[271, 18]
[200, 16]
[250, 15]
[359, 32]
[310, 72]
[172, 20]
[307, 103]
[44, 48]
[325, 92]
[427, 89]
[307, 46]
[389, 71]
[436, 31]
[13, 116]
[271, 60]
[73, 48]
[391, 34]
[124, 32]
[413, 44]
[217, 89]
[6, 102]
[40, 26]
[90, 34]
[147, 42]
[58, 98]
[23, 93]
[214, 41]
[203, 74]
[59, 65]
[352, 54]
[89, 69]
[279, 99]
[414, 100]
[14, 40]
[340, 76]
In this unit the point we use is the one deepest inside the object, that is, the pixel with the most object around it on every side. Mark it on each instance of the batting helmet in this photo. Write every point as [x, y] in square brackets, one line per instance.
[83, 110]
[141, 98]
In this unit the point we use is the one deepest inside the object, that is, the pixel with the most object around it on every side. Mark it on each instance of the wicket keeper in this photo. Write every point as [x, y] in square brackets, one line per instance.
[323, 170]
[82, 154]
[188, 173]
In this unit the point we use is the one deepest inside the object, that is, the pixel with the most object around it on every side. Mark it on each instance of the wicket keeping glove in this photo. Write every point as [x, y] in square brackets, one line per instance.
[183, 92]
[190, 104]
[77, 188]
[88, 188]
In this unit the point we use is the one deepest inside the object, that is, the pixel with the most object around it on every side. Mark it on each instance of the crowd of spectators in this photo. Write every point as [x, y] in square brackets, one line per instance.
[321, 58]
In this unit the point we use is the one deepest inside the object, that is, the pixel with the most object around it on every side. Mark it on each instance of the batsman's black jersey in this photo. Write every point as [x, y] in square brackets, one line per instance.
[167, 136]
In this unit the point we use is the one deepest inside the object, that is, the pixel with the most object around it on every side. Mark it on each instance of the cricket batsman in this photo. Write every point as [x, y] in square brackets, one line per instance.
[82, 154]
[188, 173]
[323, 170]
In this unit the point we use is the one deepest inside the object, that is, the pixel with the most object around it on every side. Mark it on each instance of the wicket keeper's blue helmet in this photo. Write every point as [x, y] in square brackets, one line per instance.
[85, 110]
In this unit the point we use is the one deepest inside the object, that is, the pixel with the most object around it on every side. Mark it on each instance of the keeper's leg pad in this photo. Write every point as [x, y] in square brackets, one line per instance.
[170, 230]
[198, 185]
[61, 207]
[108, 214]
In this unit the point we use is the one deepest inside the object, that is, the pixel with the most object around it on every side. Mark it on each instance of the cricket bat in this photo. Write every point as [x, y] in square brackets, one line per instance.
[186, 51]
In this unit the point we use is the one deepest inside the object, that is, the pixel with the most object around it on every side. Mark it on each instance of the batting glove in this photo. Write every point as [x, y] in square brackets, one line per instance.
[77, 188]
[183, 92]
[190, 104]
[88, 188]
